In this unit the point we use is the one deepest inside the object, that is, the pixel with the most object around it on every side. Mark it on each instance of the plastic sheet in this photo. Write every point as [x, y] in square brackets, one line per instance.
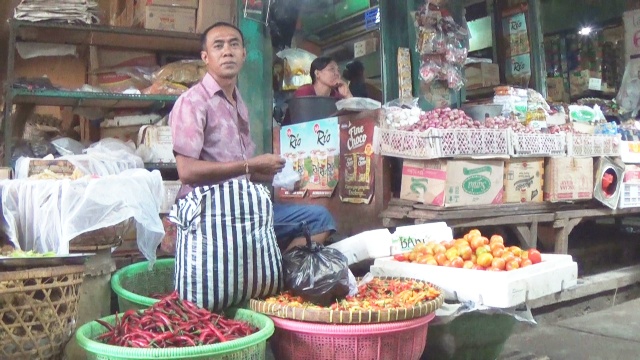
[106, 157]
[45, 215]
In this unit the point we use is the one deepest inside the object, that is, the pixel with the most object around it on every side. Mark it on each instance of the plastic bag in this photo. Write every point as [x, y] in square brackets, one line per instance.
[298, 61]
[629, 94]
[287, 178]
[68, 146]
[401, 113]
[358, 104]
[316, 273]
[186, 72]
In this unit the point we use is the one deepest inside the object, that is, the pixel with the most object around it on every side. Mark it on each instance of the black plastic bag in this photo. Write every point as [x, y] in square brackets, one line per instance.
[316, 273]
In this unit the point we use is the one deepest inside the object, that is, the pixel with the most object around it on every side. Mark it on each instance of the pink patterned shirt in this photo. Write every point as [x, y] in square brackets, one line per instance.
[205, 126]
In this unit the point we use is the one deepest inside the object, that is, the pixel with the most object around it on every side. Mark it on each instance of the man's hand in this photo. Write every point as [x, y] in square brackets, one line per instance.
[267, 164]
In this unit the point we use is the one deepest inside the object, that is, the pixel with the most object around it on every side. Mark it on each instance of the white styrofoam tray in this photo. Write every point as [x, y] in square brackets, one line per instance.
[374, 244]
[493, 289]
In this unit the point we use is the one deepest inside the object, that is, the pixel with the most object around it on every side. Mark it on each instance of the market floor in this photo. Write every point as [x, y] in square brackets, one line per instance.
[611, 334]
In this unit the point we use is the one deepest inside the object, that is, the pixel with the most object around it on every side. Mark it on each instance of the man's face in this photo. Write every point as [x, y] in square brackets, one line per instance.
[225, 53]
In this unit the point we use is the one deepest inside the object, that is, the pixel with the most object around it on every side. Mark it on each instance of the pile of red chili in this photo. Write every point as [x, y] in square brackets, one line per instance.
[172, 322]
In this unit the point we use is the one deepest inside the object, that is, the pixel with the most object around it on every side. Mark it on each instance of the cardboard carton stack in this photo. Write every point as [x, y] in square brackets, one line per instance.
[190, 16]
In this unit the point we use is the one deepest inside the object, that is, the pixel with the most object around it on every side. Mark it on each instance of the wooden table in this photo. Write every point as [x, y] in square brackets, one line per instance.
[555, 220]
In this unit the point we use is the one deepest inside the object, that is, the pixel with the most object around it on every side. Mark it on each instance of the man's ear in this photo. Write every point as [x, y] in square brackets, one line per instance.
[204, 56]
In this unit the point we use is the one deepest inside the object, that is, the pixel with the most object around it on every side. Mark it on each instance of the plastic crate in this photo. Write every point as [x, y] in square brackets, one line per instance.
[523, 144]
[593, 145]
[629, 196]
[443, 143]
[630, 152]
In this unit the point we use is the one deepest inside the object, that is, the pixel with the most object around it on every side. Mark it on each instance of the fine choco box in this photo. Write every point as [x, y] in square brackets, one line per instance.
[453, 183]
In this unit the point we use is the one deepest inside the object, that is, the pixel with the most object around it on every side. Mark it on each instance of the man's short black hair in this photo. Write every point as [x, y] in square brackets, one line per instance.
[203, 36]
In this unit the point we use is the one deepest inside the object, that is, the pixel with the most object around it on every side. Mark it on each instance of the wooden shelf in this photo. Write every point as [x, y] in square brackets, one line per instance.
[87, 99]
[121, 37]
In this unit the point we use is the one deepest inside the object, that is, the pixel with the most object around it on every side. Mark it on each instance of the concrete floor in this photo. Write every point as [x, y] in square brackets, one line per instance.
[611, 334]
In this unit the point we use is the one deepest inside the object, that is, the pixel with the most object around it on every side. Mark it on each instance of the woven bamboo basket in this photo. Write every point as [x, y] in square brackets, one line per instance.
[323, 315]
[101, 239]
[38, 310]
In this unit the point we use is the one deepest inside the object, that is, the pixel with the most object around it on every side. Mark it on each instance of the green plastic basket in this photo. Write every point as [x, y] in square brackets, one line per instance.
[251, 347]
[134, 283]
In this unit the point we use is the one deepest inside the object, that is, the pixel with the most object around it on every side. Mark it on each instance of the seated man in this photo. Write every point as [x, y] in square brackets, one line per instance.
[212, 143]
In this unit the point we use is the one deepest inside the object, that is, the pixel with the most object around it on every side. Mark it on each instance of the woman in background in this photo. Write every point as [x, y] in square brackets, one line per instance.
[325, 80]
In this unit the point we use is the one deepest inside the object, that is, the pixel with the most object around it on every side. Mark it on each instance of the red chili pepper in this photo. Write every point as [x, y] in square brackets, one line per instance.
[217, 332]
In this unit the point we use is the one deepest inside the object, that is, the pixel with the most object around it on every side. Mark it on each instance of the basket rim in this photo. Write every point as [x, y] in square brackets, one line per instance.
[92, 346]
[129, 295]
[351, 329]
[351, 317]
[53, 271]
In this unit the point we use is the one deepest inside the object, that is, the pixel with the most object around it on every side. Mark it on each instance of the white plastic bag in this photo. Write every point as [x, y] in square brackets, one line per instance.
[287, 178]
[629, 94]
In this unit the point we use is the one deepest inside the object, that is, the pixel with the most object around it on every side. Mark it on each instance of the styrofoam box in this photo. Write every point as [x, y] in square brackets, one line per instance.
[504, 289]
[374, 244]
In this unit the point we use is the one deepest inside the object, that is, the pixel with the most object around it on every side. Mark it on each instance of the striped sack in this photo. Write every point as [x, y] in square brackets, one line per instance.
[226, 249]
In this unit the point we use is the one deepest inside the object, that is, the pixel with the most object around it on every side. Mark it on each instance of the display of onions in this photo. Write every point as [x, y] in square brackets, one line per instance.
[447, 118]
[397, 117]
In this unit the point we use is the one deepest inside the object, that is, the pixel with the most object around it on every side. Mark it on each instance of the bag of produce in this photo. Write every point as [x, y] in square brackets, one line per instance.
[316, 273]
[226, 247]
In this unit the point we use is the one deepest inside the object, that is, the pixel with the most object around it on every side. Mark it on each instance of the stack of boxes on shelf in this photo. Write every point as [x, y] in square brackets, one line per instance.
[191, 16]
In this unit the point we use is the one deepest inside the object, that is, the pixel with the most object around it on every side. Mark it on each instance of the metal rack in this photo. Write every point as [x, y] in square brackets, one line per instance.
[25, 100]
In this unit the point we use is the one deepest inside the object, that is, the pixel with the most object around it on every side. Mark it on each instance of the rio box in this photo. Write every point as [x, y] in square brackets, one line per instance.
[503, 289]
[452, 183]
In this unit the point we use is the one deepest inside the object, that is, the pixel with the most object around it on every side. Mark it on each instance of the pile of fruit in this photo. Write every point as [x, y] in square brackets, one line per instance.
[473, 251]
[377, 294]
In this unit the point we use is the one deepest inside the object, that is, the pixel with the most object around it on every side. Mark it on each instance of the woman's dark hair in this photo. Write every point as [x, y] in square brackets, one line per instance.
[354, 70]
[318, 64]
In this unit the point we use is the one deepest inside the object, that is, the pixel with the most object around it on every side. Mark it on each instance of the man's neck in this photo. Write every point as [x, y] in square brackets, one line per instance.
[227, 85]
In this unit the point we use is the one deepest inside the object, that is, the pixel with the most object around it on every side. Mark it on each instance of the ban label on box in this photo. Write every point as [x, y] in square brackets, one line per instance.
[170, 18]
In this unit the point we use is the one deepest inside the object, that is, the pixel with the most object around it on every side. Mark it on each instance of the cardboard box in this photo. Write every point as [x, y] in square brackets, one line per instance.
[452, 183]
[555, 89]
[579, 82]
[119, 13]
[568, 179]
[6, 173]
[213, 11]
[365, 47]
[632, 174]
[482, 75]
[192, 4]
[523, 179]
[159, 141]
[166, 18]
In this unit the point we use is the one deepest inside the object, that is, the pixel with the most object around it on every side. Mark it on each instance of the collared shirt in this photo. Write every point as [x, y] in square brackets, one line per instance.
[206, 126]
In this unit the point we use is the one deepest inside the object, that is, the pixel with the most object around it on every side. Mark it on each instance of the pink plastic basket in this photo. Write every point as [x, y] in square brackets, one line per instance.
[311, 341]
